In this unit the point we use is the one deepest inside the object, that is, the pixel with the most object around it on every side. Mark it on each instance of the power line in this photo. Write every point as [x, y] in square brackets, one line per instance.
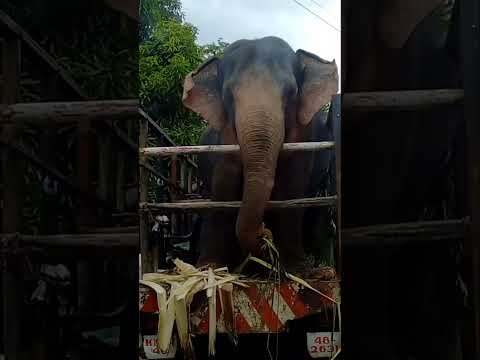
[318, 16]
[321, 7]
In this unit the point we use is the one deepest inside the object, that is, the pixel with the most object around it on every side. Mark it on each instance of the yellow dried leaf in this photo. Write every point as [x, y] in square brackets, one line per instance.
[182, 321]
[307, 285]
[261, 262]
[212, 312]
[185, 268]
[166, 316]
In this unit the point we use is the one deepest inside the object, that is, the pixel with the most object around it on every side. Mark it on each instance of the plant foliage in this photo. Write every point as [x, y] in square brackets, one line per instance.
[97, 47]
[168, 52]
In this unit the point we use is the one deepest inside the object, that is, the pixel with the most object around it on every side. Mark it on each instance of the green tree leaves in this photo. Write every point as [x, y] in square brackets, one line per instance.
[154, 11]
[165, 60]
[168, 54]
[214, 49]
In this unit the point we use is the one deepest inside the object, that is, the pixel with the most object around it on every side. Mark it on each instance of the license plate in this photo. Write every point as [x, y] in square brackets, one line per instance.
[153, 352]
[323, 344]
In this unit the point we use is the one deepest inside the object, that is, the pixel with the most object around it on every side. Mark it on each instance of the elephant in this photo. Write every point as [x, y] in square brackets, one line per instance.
[259, 95]
[319, 223]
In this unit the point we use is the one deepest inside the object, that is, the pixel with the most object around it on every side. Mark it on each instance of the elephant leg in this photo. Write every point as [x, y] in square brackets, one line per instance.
[217, 238]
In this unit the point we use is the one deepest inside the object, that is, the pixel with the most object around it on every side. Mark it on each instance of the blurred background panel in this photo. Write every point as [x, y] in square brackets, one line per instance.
[69, 130]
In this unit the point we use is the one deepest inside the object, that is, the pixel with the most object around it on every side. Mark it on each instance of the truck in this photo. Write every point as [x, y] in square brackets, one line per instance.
[282, 318]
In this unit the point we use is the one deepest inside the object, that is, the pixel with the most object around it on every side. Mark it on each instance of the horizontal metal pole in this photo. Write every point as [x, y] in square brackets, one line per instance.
[224, 205]
[69, 111]
[174, 150]
[400, 100]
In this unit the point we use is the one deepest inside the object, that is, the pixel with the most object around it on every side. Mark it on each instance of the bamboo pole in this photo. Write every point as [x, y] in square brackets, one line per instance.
[224, 205]
[147, 259]
[401, 100]
[415, 232]
[61, 112]
[225, 149]
[114, 239]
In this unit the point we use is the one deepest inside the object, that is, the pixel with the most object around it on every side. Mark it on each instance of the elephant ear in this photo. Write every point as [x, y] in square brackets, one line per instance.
[320, 83]
[202, 95]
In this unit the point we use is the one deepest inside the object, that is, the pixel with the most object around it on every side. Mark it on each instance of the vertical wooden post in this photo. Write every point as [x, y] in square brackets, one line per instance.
[174, 170]
[189, 180]
[174, 180]
[470, 23]
[85, 216]
[143, 179]
[129, 325]
[86, 213]
[48, 207]
[335, 112]
[12, 172]
[183, 185]
[121, 180]
[13, 189]
[189, 190]
[133, 133]
[183, 174]
[105, 174]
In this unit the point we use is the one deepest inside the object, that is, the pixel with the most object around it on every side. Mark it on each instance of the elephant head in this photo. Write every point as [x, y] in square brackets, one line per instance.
[260, 94]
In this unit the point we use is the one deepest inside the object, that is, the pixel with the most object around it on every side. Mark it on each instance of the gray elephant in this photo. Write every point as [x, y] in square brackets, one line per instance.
[260, 95]
[319, 222]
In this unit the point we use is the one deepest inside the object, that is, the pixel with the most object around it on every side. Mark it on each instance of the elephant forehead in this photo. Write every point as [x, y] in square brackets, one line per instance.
[251, 59]
[260, 90]
[266, 81]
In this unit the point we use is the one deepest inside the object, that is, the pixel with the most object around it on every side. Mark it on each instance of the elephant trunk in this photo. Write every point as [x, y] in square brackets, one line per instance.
[260, 134]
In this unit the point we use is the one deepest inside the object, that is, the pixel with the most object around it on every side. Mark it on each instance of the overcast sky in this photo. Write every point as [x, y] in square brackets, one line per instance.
[246, 19]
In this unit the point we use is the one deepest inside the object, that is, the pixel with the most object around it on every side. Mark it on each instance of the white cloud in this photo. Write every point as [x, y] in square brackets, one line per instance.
[238, 19]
